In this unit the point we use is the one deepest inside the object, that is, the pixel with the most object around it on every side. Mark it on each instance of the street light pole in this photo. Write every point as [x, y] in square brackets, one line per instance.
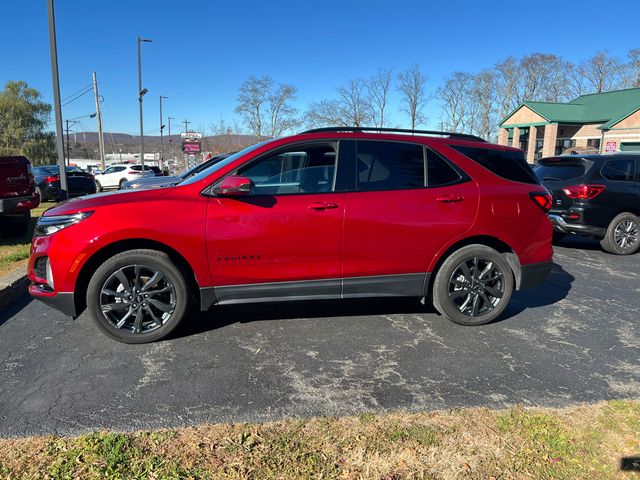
[56, 98]
[161, 137]
[141, 94]
[170, 141]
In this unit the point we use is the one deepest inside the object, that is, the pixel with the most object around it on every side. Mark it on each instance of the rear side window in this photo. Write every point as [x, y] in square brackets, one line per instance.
[389, 166]
[620, 170]
[439, 172]
[508, 164]
[560, 170]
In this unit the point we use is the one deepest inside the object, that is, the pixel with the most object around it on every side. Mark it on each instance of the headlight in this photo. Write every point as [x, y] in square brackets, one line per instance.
[55, 223]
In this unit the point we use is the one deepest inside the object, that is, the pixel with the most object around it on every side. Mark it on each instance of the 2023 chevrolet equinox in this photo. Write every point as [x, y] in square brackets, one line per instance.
[329, 213]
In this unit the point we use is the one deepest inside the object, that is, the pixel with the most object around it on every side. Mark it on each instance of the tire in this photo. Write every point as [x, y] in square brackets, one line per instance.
[479, 306]
[557, 237]
[15, 226]
[99, 186]
[148, 321]
[121, 182]
[623, 235]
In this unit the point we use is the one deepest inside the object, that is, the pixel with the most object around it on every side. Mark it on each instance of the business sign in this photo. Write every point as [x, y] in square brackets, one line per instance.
[610, 147]
[191, 147]
[191, 135]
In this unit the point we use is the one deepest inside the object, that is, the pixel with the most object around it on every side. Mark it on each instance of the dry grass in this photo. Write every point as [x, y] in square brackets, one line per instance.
[582, 442]
[14, 252]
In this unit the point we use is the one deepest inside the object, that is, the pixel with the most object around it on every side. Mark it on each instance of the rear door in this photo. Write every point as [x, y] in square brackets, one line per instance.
[407, 203]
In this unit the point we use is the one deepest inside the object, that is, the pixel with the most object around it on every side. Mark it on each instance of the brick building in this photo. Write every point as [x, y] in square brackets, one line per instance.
[598, 122]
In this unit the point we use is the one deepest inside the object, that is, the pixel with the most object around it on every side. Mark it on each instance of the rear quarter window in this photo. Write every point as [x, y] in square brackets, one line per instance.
[619, 170]
[508, 164]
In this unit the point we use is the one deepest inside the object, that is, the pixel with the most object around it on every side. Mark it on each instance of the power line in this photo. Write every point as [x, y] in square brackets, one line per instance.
[75, 93]
[78, 96]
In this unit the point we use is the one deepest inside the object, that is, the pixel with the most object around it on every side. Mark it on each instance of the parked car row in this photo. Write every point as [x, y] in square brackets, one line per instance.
[18, 195]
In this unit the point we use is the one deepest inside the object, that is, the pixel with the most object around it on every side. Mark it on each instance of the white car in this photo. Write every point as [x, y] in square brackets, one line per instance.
[116, 175]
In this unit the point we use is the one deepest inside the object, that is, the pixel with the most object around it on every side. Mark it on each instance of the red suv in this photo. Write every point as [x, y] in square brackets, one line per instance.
[329, 213]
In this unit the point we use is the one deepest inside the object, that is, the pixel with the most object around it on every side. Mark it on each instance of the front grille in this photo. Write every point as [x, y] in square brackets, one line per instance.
[41, 267]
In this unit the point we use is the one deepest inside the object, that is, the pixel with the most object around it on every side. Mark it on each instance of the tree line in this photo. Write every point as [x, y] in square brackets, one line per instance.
[470, 102]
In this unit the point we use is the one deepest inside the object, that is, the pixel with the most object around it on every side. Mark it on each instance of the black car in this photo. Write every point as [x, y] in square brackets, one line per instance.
[595, 195]
[154, 182]
[48, 181]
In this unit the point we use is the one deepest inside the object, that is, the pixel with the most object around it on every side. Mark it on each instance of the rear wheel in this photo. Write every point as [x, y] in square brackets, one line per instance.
[98, 186]
[473, 286]
[121, 182]
[623, 235]
[137, 296]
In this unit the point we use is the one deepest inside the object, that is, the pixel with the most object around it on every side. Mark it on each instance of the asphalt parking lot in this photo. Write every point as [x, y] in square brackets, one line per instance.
[576, 339]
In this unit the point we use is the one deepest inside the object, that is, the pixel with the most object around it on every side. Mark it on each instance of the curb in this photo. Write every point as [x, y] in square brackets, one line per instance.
[13, 286]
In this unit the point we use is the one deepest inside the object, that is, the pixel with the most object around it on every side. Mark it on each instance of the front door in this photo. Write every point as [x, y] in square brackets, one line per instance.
[283, 239]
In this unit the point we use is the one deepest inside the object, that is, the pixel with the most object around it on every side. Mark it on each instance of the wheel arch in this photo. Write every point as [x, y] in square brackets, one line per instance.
[90, 266]
[486, 240]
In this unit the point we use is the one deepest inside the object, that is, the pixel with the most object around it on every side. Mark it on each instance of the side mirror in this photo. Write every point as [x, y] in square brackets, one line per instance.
[233, 186]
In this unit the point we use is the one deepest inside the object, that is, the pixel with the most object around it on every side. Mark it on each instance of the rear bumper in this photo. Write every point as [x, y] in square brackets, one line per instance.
[560, 225]
[16, 205]
[534, 274]
[63, 301]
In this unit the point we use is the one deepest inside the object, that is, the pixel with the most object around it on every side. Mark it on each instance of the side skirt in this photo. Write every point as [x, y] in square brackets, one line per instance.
[403, 285]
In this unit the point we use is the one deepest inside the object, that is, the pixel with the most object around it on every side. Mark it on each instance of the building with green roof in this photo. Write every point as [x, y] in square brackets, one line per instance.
[598, 122]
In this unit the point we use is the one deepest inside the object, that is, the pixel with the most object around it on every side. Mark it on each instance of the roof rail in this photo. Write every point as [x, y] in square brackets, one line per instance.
[461, 136]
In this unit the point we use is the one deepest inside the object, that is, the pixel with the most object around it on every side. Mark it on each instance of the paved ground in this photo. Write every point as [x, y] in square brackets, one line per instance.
[577, 339]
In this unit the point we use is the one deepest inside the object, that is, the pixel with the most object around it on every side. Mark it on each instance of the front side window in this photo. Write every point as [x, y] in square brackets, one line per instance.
[619, 170]
[299, 169]
[389, 166]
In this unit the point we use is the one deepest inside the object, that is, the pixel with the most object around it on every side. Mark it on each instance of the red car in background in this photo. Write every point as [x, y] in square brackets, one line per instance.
[329, 213]
[18, 195]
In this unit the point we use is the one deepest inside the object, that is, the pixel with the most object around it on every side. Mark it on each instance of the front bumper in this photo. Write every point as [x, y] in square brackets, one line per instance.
[561, 225]
[63, 301]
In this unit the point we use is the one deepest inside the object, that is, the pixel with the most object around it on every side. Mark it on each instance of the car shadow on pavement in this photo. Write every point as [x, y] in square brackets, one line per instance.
[555, 289]
[222, 315]
[578, 241]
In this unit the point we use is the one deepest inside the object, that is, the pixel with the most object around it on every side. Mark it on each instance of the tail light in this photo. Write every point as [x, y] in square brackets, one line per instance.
[133, 172]
[542, 199]
[52, 178]
[583, 192]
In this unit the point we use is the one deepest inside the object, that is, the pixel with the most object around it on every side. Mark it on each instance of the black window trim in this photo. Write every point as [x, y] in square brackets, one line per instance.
[634, 164]
[208, 191]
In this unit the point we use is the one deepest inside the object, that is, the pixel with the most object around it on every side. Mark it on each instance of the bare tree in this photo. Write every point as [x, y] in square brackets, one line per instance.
[252, 100]
[543, 78]
[602, 72]
[632, 70]
[264, 109]
[283, 116]
[453, 94]
[507, 85]
[414, 96]
[484, 95]
[325, 113]
[354, 105]
[378, 88]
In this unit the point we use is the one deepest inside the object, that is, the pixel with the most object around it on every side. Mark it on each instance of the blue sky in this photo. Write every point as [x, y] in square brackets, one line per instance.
[203, 50]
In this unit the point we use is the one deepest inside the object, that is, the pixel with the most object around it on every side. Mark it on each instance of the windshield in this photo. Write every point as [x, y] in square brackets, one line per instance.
[217, 166]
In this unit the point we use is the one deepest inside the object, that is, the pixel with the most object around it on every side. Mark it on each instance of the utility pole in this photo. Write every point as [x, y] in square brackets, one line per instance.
[141, 93]
[161, 137]
[186, 123]
[100, 137]
[170, 140]
[68, 145]
[56, 99]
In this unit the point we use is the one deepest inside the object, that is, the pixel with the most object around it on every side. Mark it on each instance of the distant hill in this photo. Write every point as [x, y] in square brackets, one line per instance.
[85, 144]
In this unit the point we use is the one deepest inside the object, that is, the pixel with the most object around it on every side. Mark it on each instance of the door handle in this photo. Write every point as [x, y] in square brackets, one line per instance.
[323, 206]
[450, 198]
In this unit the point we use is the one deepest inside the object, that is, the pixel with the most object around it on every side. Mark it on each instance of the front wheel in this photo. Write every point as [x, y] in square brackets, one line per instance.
[137, 296]
[623, 235]
[473, 286]
[99, 186]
